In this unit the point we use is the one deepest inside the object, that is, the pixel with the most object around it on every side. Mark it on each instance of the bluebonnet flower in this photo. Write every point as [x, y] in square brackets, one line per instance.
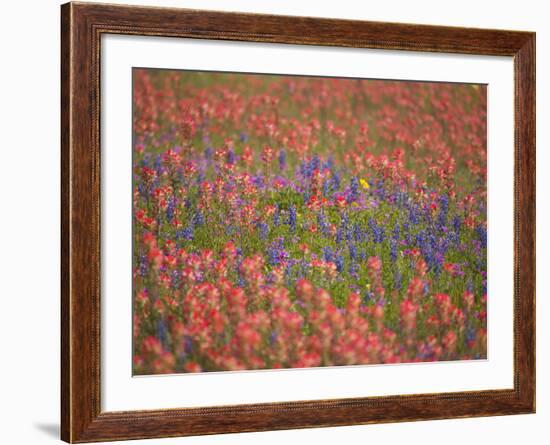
[393, 250]
[276, 252]
[482, 234]
[339, 261]
[396, 231]
[288, 275]
[406, 230]
[426, 288]
[282, 159]
[378, 232]
[240, 279]
[307, 168]
[358, 233]
[345, 221]
[368, 296]
[432, 251]
[470, 334]
[276, 216]
[170, 208]
[198, 218]
[439, 260]
[188, 344]
[230, 157]
[158, 165]
[326, 188]
[306, 195]
[444, 203]
[336, 181]
[397, 279]
[264, 229]
[292, 218]
[349, 234]
[229, 185]
[380, 191]
[400, 198]
[339, 235]
[142, 189]
[344, 230]
[200, 177]
[329, 163]
[352, 252]
[328, 254]
[414, 214]
[187, 234]
[315, 163]
[354, 189]
[303, 268]
[272, 337]
[457, 223]
[304, 168]
[175, 280]
[443, 211]
[143, 265]
[258, 181]
[323, 223]
[353, 268]
[162, 332]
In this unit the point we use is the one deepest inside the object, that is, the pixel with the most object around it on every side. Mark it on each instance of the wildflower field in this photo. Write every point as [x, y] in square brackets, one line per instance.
[286, 221]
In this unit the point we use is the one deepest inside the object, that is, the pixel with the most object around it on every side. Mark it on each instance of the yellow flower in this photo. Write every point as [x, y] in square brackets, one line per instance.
[364, 184]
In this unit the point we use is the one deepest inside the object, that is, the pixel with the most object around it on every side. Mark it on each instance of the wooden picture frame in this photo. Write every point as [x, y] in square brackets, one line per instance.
[82, 25]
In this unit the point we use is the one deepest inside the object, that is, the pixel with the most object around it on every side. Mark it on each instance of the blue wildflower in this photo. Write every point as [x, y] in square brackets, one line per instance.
[397, 279]
[143, 265]
[230, 157]
[323, 223]
[263, 229]
[187, 234]
[198, 218]
[328, 254]
[378, 232]
[276, 253]
[170, 208]
[393, 250]
[292, 218]
[162, 332]
[277, 216]
[352, 252]
[326, 188]
[354, 189]
[482, 235]
[282, 159]
[336, 181]
[339, 261]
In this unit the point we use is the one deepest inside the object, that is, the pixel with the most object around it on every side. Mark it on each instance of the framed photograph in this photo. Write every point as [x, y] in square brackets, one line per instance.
[274, 222]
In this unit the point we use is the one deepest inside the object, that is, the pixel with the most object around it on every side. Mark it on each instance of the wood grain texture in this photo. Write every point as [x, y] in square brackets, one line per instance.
[81, 28]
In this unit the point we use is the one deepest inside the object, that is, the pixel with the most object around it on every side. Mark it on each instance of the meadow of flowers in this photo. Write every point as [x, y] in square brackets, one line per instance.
[285, 221]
